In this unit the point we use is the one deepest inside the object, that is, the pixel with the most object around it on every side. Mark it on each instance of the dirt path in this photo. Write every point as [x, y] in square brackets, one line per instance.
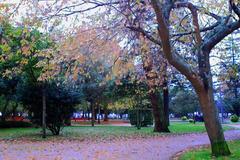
[159, 148]
[237, 126]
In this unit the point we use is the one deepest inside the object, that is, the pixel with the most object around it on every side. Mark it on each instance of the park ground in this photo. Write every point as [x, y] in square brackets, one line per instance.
[110, 142]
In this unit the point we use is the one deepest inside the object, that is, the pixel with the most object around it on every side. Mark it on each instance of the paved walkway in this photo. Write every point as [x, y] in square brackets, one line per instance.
[159, 148]
[237, 125]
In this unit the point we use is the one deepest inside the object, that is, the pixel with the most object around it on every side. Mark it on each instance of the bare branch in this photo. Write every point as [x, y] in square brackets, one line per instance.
[201, 30]
[234, 8]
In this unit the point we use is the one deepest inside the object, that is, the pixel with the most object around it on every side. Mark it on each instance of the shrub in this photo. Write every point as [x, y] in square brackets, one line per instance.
[183, 118]
[15, 124]
[191, 120]
[145, 116]
[234, 118]
[60, 104]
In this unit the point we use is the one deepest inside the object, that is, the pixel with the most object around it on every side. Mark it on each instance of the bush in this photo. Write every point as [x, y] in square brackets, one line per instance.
[15, 124]
[234, 118]
[183, 118]
[145, 116]
[60, 104]
[191, 120]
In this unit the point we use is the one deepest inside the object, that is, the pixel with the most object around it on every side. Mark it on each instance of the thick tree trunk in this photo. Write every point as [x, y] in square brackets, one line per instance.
[160, 124]
[43, 113]
[210, 111]
[166, 103]
[212, 124]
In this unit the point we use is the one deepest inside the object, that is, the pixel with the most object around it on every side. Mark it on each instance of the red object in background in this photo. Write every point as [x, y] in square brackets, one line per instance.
[17, 118]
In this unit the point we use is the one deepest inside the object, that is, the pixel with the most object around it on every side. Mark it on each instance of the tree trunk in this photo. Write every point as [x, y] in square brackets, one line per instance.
[44, 112]
[160, 124]
[83, 116]
[212, 124]
[88, 117]
[99, 112]
[93, 115]
[166, 103]
[210, 112]
[105, 114]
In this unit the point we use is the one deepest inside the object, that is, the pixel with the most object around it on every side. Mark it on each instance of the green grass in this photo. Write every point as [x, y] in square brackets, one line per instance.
[186, 127]
[102, 132]
[205, 154]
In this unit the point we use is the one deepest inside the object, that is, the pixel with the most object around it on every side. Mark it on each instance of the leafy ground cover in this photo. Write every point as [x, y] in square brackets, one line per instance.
[102, 132]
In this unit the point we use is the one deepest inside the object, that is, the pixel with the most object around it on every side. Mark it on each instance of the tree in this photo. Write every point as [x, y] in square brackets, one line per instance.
[201, 79]
[156, 80]
[229, 73]
[19, 47]
[91, 60]
[184, 102]
[8, 95]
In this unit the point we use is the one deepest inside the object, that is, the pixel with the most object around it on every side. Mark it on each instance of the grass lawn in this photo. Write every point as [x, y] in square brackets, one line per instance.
[205, 154]
[102, 132]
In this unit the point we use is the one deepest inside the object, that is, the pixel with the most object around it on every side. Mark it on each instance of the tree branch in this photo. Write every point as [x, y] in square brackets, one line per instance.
[145, 33]
[194, 13]
[234, 8]
[174, 59]
[219, 34]
[201, 30]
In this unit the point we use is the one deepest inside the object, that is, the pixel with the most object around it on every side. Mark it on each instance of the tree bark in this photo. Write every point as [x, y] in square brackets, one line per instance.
[165, 93]
[160, 124]
[208, 107]
[105, 114]
[212, 124]
[166, 104]
[93, 115]
[43, 113]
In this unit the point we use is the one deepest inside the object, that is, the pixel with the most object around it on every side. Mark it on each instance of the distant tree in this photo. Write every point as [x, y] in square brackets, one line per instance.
[232, 105]
[8, 95]
[184, 102]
